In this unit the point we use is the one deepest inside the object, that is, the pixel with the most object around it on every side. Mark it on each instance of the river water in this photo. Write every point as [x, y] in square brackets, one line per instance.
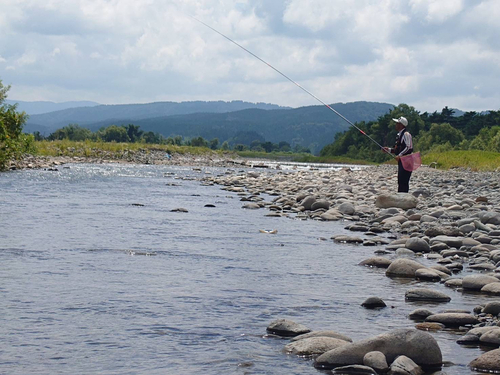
[97, 275]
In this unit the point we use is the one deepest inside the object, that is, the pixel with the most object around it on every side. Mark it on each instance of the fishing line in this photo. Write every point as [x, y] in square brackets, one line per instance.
[288, 78]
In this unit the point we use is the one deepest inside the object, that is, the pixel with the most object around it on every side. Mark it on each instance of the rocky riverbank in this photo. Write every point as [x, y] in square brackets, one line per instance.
[450, 217]
[155, 157]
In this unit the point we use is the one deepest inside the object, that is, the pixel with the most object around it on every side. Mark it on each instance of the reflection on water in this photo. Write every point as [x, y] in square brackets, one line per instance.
[98, 275]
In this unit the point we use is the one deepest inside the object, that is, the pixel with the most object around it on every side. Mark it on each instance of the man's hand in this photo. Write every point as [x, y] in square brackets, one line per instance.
[386, 149]
[397, 158]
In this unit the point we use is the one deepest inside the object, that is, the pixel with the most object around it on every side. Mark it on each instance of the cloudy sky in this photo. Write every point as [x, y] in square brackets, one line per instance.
[426, 53]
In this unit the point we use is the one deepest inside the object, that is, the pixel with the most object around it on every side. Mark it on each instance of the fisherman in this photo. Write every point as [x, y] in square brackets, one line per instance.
[404, 146]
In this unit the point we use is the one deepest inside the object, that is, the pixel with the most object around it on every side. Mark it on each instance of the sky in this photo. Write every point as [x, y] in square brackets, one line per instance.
[425, 53]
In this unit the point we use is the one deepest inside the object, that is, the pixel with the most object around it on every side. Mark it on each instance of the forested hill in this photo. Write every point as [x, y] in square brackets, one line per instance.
[49, 122]
[312, 127]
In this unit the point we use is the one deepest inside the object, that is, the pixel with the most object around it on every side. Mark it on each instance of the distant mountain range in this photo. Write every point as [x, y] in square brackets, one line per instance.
[36, 108]
[235, 121]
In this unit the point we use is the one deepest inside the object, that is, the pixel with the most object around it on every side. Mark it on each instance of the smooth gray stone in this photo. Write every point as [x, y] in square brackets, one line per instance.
[398, 200]
[420, 346]
[418, 245]
[354, 370]
[476, 282]
[492, 308]
[452, 319]
[404, 366]
[376, 360]
[327, 333]
[423, 294]
[491, 337]
[420, 314]
[285, 327]
[403, 268]
[373, 303]
[314, 345]
[489, 361]
[492, 289]
[379, 262]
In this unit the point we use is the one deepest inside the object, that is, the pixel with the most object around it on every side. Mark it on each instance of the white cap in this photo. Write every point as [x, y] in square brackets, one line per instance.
[402, 120]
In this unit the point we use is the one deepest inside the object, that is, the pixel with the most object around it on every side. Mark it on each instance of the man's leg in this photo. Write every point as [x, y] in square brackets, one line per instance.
[403, 179]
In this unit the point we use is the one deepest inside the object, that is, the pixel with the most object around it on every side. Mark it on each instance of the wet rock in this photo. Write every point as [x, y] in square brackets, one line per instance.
[180, 209]
[307, 202]
[378, 262]
[423, 294]
[492, 289]
[404, 366]
[430, 326]
[347, 239]
[373, 303]
[427, 274]
[488, 362]
[376, 360]
[454, 283]
[420, 314]
[452, 319]
[420, 346]
[320, 204]
[492, 308]
[403, 268]
[346, 208]
[354, 370]
[314, 345]
[477, 282]
[491, 337]
[251, 206]
[287, 328]
[327, 333]
[418, 245]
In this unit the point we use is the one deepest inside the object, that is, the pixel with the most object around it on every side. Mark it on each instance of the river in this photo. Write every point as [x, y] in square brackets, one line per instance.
[98, 275]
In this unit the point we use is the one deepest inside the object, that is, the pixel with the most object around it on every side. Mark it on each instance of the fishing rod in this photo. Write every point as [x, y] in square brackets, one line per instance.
[288, 78]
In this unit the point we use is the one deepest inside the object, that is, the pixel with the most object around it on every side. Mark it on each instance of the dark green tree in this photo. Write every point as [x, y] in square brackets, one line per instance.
[13, 143]
[133, 132]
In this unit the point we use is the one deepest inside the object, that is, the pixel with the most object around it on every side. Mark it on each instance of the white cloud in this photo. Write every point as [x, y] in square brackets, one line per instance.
[437, 11]
[421, 52]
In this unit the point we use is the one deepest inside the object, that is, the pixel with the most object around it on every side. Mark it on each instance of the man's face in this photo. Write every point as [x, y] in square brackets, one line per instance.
[399, 126]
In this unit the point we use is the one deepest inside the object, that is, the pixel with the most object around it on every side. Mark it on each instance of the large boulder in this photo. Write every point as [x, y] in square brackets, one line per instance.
[420, 346]
[488, 362]
[399, 200]
[403, 268]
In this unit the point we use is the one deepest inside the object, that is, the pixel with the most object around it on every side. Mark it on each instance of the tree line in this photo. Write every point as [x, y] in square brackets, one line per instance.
[432, 132]
[133, 134]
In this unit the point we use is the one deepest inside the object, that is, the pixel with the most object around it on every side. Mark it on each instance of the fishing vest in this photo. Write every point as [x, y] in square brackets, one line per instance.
[400, 144]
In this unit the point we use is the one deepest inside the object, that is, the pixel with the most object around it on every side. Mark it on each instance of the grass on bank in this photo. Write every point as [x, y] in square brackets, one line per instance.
[96, 149]
[474, 160]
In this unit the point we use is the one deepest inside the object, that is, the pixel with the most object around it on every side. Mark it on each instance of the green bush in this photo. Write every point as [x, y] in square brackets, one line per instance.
[12, 142]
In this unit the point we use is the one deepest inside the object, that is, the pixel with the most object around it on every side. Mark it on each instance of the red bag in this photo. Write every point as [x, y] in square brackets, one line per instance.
[411, 162]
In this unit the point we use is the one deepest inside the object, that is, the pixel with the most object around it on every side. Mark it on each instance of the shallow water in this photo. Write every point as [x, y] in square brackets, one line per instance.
[97, 275]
